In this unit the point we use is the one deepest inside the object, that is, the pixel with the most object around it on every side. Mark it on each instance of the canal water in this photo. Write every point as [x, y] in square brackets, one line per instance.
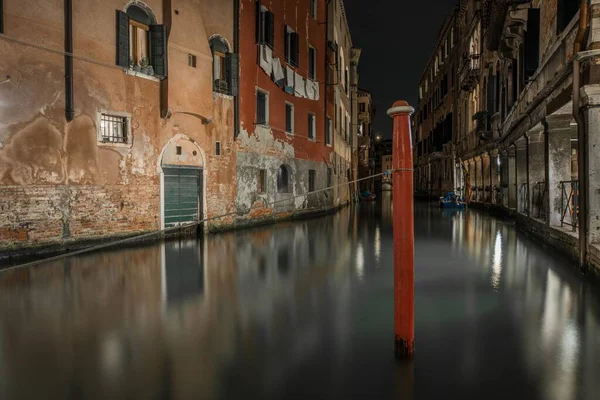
[304, 310]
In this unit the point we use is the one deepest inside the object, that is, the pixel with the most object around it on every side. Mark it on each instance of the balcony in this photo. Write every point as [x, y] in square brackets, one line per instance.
[470, 72]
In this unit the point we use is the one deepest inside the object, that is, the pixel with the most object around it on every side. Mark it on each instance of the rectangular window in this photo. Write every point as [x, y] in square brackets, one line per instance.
[140, 46]
[292, 46]
[113, 128]
[262, 181]
[289, 117]
[262, 107]
[328, 133]
[313, 8]
[265, 26]
[362, 107]
[312, 63]
[1, 18]
[220, 73]
[218, 148]
[565, 13]
[311, 126]
[312, 174]
[192, 60]
[329, 177]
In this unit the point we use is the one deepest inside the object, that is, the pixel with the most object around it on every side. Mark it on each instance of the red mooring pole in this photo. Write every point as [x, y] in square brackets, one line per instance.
[404, 236]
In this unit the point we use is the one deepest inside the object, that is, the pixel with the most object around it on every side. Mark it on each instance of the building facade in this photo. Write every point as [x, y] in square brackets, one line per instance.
[285, 142]
[366, 140]
[134, 116]
[526, 122]
[130, 134]
[434, 117]
[343, 78]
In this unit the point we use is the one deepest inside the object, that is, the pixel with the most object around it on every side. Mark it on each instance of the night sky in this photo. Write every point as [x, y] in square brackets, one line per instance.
[397, 39]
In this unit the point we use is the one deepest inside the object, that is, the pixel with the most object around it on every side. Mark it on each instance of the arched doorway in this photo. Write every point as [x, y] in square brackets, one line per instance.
[182, 183]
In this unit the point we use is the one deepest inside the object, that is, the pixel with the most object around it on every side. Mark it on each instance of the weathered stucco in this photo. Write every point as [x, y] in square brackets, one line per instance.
[57, 182]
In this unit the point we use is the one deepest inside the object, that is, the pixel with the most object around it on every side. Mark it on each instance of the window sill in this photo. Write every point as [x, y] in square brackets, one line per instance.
[289, 133]
[117, 145]
[141, 75]
[222, 95]
[328, 145]
[264, 126]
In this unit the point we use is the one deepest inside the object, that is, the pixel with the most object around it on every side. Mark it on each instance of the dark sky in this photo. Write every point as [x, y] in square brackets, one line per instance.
[397, 39]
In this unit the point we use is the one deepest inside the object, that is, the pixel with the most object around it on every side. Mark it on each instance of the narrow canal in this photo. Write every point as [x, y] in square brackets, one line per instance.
[304, 310]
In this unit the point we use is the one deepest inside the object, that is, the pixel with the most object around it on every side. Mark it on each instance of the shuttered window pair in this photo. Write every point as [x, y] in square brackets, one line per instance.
[141, 45]
[225, 68]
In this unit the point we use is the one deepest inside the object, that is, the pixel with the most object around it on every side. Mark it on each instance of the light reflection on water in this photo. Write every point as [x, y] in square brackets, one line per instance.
[304, 310]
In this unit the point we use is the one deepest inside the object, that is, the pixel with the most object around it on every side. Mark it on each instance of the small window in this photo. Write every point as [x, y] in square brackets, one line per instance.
[292, 46]
[311, 126]
[265, 26]
[362, 107]
[262, 107]
[283, 179]
[262, 181]
[312, 63]
[178, 150]
[328, 133]
[218, 148]
[329, 177]
[313, 8]
[289, 117]
[113, 128]
[192, 60]
[312, 174]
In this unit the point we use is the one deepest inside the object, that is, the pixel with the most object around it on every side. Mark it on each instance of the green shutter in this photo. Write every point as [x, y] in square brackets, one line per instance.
[233, 73]
[181, 196]
[122, 39]
[158, 49]
[259, 38]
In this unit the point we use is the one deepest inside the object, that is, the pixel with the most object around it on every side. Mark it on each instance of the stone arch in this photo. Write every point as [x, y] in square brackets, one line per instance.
[144, 7]
[184, 153]
[222, 38]
[284, 179]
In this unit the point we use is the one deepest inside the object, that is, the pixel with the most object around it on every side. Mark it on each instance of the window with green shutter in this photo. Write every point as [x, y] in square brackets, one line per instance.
[141, 43]
[1, 17]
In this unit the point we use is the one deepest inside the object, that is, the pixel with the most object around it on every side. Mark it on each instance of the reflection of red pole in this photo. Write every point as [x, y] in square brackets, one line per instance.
[404, 237]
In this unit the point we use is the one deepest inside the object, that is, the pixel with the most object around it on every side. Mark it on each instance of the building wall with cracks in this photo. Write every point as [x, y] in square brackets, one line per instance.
[60, 181]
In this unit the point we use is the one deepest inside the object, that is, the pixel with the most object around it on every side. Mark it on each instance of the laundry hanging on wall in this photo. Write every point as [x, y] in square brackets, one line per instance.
[278, 75]
[266, 59]
[299, 88]
[289, 80]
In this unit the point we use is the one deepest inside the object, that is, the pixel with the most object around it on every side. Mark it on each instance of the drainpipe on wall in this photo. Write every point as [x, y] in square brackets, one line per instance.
[69, 102]
[164, 83]
[236, 50]
[581, 135]
[326, 86]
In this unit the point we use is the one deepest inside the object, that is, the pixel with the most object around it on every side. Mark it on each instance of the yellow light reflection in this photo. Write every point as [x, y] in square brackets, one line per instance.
[497, 262]
[377, 245]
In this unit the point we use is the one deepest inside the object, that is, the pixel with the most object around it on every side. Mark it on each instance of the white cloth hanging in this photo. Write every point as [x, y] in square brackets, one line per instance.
[266, 59]
[289, 77]
[310, 89]
[300, 90]
[316, 88]
[277, 71]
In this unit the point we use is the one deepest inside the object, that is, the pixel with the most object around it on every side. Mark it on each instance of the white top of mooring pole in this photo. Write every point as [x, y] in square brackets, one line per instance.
[400, 110]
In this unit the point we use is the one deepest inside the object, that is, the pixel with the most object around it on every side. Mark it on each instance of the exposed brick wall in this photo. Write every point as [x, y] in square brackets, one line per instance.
[33, 215]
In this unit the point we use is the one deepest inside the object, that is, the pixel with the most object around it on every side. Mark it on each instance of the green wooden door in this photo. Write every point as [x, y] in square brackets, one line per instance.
[182, 194]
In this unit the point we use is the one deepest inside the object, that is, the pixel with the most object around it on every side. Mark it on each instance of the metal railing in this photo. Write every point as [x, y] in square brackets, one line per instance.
[539, 200]
[569, 204]
[523, 205]
[470, 70]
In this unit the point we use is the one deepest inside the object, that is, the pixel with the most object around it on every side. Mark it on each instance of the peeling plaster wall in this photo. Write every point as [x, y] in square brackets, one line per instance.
[268, 147]
[57, 182]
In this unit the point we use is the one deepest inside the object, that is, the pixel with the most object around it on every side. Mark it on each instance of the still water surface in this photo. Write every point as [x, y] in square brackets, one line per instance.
[304, 310]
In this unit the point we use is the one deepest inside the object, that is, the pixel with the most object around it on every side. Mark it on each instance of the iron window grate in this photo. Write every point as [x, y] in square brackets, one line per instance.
[113, 128]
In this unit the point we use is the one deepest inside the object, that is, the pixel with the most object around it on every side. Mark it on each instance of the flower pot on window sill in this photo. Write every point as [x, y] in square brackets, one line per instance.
[137, 68]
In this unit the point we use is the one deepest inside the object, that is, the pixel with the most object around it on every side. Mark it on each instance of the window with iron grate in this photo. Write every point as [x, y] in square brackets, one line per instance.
[113, 128]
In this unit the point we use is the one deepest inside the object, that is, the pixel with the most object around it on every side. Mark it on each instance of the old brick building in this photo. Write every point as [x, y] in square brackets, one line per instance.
[285, 138]
[366, 140]
[132, 133]
[434, 117]
[526, 125]
[133, 116]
